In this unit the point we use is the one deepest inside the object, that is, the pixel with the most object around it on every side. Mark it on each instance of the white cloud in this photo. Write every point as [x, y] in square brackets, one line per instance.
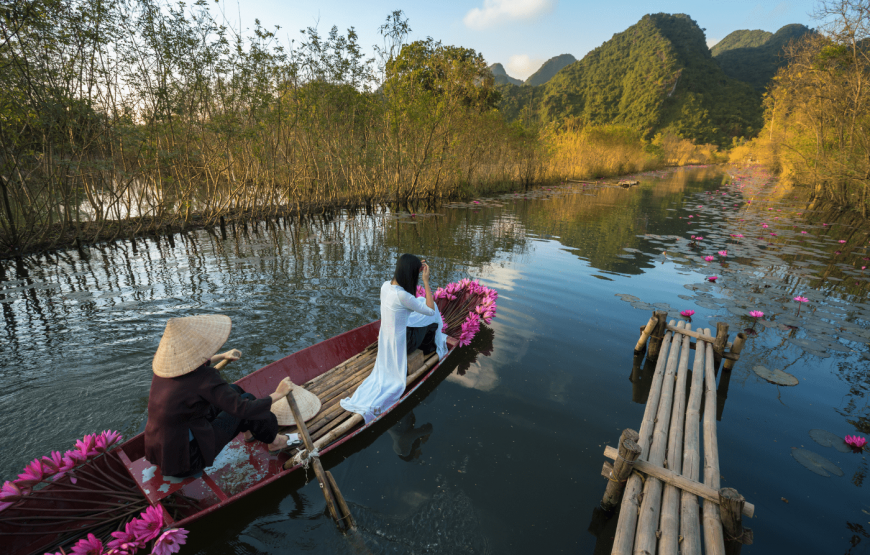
[712, 42]
[495, 12]
[522, 66]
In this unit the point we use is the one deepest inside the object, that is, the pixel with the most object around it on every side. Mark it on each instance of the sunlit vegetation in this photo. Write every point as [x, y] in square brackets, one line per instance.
[816, 111]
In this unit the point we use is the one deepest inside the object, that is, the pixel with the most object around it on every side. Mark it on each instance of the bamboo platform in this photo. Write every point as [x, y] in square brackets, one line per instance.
[333, 421]
[667, 501]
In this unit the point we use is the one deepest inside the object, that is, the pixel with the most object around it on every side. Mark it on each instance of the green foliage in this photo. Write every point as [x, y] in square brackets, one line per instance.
[754, 56]
[656, 75]
[550, 68]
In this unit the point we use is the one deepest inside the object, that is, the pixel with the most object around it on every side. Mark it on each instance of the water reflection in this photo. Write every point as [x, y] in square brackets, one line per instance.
[579, 268]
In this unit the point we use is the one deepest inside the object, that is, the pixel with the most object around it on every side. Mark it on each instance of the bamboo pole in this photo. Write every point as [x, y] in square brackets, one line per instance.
[623, 541]
[655, 342]
[670, 520]
[645, 333]
[669, 477]
[700, 335]
[650, 507]
[629, 450]
[690, 523]
[318, 468]
[713, 540]
[731, 507]
[720, 343]
[351, 523]
[736, 348]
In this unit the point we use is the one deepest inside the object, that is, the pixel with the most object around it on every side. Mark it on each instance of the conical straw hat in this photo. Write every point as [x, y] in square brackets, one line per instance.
[188, 342]
[308, 403]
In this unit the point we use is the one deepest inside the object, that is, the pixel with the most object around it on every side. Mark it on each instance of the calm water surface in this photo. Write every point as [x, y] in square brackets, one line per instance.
[502, 451]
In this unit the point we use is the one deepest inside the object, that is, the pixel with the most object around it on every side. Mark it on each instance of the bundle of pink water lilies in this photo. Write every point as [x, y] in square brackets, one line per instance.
[462, 320]
[138, 533]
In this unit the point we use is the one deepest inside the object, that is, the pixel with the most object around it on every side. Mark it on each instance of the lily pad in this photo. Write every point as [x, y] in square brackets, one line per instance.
[816, 463]
[775, 376]
[827, 439]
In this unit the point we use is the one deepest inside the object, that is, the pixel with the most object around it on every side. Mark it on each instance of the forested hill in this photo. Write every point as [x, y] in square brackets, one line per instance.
[656, 75]
[501, 76]
[754, 56]
[550, 68]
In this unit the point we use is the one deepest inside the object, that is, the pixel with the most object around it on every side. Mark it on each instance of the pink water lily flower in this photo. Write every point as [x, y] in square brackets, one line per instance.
[712, 278]
[33, 474]
[691, 216]
[773, 234]
[699, 238]
[803, 232]
[709, 258]
[87, 446]
[125, 540]
[88, 546]
[170, 542]
[764, 226]
[802, 299]
[723, 253]
[475, 202]
[855, 442]
[756, 313]
[687, 313]
[841, 241]
[148, 525]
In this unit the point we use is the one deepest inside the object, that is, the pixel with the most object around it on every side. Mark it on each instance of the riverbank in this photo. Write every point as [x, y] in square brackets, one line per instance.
[82, 235]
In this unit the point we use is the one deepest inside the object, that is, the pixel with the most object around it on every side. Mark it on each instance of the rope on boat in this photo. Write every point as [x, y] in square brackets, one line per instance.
[298, 459]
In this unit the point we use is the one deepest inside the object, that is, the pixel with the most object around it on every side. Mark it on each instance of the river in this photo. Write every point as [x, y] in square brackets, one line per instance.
[502, 451]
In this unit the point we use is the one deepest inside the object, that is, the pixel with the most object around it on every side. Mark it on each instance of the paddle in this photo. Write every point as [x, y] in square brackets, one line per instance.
[327, 482]
[235, 352]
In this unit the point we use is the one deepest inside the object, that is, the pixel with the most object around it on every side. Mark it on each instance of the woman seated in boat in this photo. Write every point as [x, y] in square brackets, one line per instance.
[192, 412]
[407, 323]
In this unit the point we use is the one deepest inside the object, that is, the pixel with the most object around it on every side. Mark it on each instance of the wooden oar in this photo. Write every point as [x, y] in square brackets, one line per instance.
[338, 509]
[219, 366]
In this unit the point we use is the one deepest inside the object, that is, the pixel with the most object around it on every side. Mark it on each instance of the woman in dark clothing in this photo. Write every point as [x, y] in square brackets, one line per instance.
[192, 412]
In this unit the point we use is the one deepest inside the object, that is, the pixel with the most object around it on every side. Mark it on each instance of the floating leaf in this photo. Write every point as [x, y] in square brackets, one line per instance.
[827, 439]
[816, 463]
[775, 376]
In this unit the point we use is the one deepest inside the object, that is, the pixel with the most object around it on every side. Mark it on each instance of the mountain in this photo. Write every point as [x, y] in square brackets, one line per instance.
[549, 69]
[501, 76]
[754, 56]
[656, 75]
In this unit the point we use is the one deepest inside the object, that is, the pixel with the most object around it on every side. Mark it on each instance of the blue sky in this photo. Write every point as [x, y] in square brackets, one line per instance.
[521, 34]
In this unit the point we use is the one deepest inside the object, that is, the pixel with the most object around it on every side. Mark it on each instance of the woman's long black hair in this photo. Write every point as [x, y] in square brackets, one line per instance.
[408, 273]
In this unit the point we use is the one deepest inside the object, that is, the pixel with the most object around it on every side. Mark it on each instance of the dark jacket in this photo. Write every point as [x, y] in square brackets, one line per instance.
[176, 405]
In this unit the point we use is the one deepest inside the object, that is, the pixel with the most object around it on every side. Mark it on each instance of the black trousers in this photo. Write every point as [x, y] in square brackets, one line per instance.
[421, 338]
[226, 427]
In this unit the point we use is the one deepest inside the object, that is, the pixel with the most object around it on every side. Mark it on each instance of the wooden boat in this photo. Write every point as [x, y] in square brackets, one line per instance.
[331, 369]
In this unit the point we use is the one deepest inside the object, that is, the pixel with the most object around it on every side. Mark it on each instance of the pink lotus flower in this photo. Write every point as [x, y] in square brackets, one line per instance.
[88, 546]
[764, 226]
[687, 313]
[699, 238]
[148, 525]
[692, 237]
[712, 278]
[756, 313]
[709, 258]
[125, 541]
[170, 542]
[803, 232]
[33, 474]
[475, 202]
[802, 299]
[841, 241]
[10, 493]
[773, 234]
[855, 442]
[87, 446]
[824, 225]
[723, 253]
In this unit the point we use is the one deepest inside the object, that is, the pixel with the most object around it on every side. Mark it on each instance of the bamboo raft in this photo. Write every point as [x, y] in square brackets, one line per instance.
[665, 504]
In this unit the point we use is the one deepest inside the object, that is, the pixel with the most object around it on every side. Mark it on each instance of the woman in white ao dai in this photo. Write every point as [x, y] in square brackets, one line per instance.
[386, 383]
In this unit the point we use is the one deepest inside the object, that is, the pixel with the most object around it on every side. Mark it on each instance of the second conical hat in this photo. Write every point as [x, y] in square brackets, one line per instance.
[308, 403]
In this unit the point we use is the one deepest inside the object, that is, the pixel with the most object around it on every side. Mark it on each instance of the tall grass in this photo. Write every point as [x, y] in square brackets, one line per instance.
[609, 150]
